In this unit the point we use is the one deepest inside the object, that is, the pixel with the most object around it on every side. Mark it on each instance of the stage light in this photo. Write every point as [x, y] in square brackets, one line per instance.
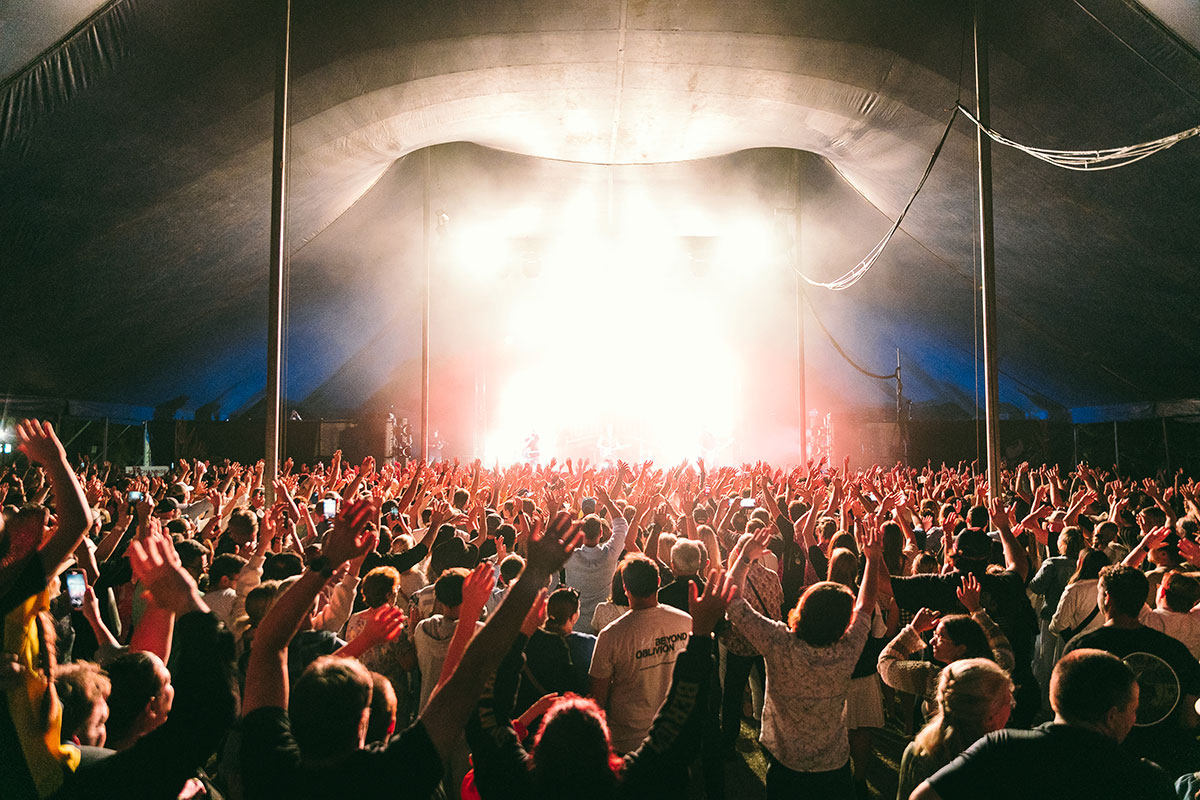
[701, 253]
[478, 249]
[525, 253]
[522, 220]
[746, 246]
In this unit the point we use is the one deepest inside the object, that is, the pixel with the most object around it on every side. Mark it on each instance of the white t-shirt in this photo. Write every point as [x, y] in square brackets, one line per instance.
[637, 654]
[1184, 626]
[432, 639]
[220, 602]
[605, 613]
[590, 571]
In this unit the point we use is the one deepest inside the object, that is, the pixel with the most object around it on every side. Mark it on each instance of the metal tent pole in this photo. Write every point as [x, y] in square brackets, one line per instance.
[1166, 444]
[1116, 449]
[426, 221]
[987, 252]
[801, 399]
[278, 248]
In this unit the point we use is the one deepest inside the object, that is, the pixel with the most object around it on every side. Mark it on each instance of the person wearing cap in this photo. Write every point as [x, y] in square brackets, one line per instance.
[1003, 593]
[167, 509]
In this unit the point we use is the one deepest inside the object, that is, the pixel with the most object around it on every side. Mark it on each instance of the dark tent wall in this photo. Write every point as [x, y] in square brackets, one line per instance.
[135, 158]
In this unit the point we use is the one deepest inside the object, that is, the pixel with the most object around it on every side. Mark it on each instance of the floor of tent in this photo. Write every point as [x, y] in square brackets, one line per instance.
[745, 775]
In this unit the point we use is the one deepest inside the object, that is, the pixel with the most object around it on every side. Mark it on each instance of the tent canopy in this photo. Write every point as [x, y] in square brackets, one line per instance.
[135, 156]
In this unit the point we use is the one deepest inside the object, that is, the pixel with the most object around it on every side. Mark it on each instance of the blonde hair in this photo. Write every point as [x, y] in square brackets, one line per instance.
[968, 690]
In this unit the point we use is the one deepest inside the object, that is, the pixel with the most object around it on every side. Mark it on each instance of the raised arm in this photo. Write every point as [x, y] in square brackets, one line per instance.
[477, 588]
[449, 707]
[1015, 557]
[872, 547]
[39, 443]
[266, 676]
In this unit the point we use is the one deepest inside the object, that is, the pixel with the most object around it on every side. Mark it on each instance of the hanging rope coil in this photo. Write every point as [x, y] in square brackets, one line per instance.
[857, 272]
[1088, 160]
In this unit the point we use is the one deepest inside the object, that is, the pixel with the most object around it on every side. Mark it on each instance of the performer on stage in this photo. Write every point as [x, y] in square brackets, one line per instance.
[436, 445]
[533, 449]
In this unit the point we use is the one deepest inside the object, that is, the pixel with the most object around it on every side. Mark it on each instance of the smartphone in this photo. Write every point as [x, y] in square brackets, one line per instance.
[329, 508]
[76, 584]
[134, 497]
[748, 502]
[394, 513]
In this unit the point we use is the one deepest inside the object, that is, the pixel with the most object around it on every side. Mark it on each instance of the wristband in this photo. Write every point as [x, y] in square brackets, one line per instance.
[323, 565]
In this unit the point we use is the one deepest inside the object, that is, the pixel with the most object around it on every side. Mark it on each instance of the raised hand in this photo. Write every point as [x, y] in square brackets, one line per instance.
[1190, 551]
[549, 551]
[968, 593]
[349, 537]
[539, 707]
[925, 620]
[755, 546]
[383, 626]
[156, 564]
[37, 441]
[477, 588]
[1156, 538]
[708, 607]
[871, 540]
[536, 614]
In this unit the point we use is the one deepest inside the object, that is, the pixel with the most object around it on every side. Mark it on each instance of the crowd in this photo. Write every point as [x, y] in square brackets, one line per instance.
[597, 631]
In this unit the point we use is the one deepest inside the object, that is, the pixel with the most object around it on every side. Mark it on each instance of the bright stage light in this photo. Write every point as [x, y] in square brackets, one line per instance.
[746, 245]
[477, 249]
[620, 331]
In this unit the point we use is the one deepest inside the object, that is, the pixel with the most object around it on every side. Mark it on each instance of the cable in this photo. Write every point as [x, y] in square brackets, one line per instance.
[841, 352]
[1088, 160]
[859, 270]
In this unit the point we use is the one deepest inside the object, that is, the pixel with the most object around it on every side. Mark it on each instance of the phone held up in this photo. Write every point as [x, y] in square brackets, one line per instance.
[76, 584]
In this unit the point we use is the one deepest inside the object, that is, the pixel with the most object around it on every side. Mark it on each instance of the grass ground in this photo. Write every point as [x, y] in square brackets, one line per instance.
[745, 775]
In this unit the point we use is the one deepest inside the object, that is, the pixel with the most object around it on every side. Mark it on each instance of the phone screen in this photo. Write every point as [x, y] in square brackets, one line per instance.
[329, 508]
[134, 497]
[76, 583]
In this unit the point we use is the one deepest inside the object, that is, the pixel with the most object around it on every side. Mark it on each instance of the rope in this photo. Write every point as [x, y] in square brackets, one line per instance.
[859, 270]
[894, 374]
[1088, 160]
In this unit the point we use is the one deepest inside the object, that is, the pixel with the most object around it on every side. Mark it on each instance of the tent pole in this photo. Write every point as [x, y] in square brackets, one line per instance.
[801, 400]
[425, 224]
[987, 252]
[1166, 444]
[1116, 450]
[278, 248]
[901, 420]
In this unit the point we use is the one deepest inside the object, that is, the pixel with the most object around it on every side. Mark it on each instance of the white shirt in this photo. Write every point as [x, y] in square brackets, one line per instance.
[221, 602]
[432, 639]
[1074, 605]
[590, 572]
[637, 653]
[1184, 626]
[605, 613]
[1077, 602]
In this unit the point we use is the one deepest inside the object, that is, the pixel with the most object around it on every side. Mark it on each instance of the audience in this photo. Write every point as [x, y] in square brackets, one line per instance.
[203, 656]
